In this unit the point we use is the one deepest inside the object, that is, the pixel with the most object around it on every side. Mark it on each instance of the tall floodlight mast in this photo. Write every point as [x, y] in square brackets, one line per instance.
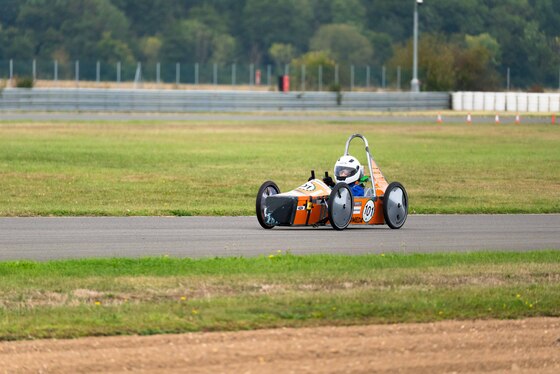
[414, 83]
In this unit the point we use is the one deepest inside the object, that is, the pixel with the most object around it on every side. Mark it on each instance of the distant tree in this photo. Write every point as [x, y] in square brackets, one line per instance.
[10, 12]
[382, 44]
[312, 61]
[112, 50]
[321, 12]
[193, 41]
[526, 49]
[350, 12]
[487, 36]
[344, 43]
[77, 26]
[475, 70]
[444, 65]
[208, 15]
[189, 41]
[487, 42]
[16, 45]
[87, 21]
[435, 62]
[281, 53]
[452, 17]
[150, 47]
[547, 14]
[541, 61]
[223, 48]
[149, 17]
[275, 21]
[391, 17]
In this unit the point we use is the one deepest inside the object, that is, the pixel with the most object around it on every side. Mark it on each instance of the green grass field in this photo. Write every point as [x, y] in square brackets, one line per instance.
[215, 168]
[65, 299]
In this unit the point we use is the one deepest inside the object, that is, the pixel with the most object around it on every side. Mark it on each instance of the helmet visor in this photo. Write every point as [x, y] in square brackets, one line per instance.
[343, 172]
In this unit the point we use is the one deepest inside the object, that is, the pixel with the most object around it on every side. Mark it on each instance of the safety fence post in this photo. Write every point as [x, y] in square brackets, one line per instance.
[320, 78]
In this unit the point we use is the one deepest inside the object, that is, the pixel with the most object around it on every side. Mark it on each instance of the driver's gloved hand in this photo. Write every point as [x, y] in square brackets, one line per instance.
[328, 181]
[312, 176]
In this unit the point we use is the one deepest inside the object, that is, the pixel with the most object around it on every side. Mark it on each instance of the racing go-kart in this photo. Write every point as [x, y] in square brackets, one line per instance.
[316, 204]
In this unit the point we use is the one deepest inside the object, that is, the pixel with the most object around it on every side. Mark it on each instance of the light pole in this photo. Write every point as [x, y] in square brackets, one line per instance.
[414, 83]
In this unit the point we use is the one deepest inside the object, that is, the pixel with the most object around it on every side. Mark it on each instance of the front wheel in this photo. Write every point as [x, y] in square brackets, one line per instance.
[267, 189]
[341, 206]
[395, 205]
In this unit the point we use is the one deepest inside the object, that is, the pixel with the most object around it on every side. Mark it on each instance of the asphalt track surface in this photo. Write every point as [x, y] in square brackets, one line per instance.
[49, 238]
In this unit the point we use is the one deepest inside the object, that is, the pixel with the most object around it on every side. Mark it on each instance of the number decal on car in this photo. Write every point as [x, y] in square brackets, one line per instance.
[307, 187]
[369, 210]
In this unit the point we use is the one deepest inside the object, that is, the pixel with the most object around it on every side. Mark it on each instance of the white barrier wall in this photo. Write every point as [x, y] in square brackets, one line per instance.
[532, 103]
[489, 100]
[506, 101]
[522, 102]
[543, 103]
[457, 100]
[554, 103]
[500, 102]
[478, 101]
[511, 102]
[468, 100]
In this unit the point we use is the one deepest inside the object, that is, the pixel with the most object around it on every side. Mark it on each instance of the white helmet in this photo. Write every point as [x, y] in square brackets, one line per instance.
[348, 169]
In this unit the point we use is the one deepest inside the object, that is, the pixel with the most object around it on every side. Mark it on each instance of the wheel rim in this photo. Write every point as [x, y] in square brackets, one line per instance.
[396, 206]
[268, 191]
[341, 208]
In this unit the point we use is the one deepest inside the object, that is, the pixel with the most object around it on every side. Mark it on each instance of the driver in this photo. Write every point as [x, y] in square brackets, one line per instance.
[348, 170]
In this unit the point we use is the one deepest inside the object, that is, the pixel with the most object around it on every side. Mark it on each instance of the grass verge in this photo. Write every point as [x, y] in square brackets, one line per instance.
[73, 298]
[216, 168]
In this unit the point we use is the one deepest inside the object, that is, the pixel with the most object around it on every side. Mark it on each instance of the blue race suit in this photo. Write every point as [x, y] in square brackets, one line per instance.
[357, 189]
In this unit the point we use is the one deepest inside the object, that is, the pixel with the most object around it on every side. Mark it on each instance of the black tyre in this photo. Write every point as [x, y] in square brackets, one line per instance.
[267, 189]
[395, 205]
[341, 206]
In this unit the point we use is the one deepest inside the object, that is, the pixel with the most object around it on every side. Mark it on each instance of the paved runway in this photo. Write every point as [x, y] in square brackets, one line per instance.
[44, 238]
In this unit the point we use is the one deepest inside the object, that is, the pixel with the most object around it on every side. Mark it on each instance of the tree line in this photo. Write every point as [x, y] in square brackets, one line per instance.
[464, 44]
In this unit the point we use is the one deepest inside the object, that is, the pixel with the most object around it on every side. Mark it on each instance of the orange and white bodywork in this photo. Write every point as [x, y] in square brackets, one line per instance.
[308, 204]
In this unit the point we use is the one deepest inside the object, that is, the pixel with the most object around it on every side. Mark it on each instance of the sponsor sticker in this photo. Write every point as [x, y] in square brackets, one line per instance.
[357, 207]
[369, 210]
[301, 207]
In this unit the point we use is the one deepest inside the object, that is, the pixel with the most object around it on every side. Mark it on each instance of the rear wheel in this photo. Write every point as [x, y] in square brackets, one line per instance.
[395, 205]
[267, 189]
[341, 206]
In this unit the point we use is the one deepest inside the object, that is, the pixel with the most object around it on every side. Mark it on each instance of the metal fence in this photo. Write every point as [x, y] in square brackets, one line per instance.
[115, 100]
[303, 78]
